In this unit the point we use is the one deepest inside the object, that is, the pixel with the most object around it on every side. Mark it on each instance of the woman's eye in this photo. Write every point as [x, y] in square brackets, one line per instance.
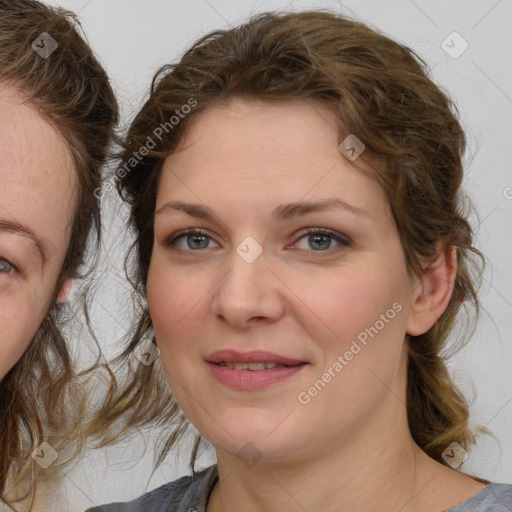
[318, 239]
[6, 267]
[193, 239]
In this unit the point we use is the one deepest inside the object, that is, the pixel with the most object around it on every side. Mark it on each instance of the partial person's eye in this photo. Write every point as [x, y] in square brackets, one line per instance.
[6, 267]
[320, 239]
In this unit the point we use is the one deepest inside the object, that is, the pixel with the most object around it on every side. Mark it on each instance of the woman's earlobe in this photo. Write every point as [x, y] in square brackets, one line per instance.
[65, 291]
[433, 292]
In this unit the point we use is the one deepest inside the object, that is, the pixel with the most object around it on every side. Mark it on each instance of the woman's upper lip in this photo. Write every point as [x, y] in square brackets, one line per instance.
[252, 356]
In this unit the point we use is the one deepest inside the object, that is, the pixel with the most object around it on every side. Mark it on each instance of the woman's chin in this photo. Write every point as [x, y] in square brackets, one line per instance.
[251, 442]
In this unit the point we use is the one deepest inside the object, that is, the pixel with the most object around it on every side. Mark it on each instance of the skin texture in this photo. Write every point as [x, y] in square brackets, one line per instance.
[349, 447]
[37, 176]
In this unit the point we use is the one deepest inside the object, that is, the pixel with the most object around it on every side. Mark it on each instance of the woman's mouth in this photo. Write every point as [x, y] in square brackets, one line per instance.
[254, 375]
[249, 366]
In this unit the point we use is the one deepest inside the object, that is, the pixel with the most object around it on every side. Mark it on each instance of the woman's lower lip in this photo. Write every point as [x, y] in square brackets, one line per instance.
[252, 379]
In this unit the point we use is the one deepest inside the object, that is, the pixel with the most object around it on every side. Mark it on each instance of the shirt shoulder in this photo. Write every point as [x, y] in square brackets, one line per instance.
[186, 494]
[493, 498]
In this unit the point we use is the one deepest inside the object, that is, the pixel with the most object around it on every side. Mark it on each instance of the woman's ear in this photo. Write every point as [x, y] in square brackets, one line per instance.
[65, 291]
[433, 291]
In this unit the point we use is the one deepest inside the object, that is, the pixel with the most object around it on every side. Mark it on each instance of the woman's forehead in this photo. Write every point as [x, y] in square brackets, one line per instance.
[276, 152]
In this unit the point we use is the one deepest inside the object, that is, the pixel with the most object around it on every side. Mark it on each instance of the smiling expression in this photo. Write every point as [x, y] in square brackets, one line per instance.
[237, 179]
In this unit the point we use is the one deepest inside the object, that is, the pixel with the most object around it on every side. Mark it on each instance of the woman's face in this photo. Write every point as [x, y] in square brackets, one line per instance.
[339, 302]
[36, 202]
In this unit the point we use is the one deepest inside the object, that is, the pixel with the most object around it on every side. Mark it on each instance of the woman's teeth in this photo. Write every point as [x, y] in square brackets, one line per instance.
[249, 366]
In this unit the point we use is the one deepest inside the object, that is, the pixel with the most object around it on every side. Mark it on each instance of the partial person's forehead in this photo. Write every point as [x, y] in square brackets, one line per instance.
[36, 170]
[30, 144]
[23, 127]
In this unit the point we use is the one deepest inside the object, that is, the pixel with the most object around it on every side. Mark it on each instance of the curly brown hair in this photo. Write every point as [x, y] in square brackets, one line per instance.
[70, 89]
[380, 90]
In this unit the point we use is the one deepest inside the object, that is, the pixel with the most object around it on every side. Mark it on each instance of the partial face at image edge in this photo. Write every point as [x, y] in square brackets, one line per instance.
[36, 208]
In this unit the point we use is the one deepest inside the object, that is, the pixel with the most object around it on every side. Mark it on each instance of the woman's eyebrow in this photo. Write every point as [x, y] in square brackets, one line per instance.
[16, 228]
[281, 213]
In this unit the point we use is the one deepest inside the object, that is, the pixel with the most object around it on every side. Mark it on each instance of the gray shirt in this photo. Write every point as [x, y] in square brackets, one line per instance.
[191, 494]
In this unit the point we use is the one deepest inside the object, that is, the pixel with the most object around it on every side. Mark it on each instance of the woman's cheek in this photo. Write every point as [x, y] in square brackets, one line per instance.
[18, 327]
[165, 301]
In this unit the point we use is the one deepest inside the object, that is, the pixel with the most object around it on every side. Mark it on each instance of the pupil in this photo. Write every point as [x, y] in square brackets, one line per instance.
[195, 238]
[4, 266]
[327, 241]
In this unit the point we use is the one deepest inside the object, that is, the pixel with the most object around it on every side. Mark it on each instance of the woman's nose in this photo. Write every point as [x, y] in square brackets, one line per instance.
[250, 291]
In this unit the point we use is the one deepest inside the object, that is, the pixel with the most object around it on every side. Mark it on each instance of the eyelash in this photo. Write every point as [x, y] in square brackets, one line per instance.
[343, 240]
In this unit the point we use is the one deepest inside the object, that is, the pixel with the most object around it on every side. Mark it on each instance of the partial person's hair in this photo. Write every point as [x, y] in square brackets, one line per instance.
[41, 398]
[381, 91]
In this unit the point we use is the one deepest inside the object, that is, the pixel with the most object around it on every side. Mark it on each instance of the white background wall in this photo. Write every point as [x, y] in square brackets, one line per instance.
[133, 38]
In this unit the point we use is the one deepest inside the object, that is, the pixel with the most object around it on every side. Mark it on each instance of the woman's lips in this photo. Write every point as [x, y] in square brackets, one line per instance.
[253, 379]
[251, 356]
